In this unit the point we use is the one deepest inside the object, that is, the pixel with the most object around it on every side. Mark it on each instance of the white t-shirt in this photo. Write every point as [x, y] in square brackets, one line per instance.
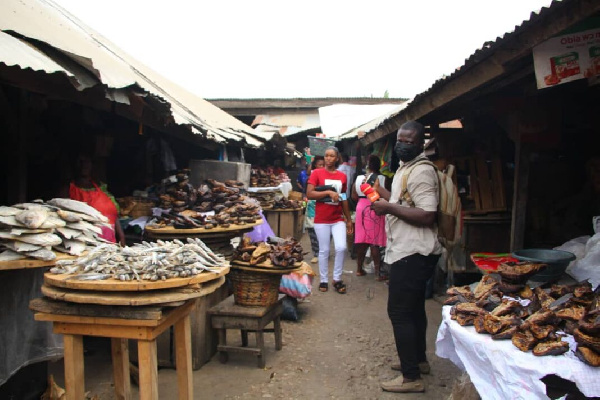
[361, 179]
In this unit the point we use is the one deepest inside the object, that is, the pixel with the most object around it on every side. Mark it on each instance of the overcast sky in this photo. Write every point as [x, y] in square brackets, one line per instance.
[284, 49]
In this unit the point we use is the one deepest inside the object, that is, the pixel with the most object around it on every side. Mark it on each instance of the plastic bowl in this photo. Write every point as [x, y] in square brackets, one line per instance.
[557, 261]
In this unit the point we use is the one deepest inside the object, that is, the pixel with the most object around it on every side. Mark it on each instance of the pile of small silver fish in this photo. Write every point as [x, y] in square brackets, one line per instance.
[38, 229]
[151, 261]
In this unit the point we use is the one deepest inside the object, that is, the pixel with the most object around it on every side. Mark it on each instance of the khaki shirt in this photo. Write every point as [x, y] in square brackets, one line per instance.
[404, 239]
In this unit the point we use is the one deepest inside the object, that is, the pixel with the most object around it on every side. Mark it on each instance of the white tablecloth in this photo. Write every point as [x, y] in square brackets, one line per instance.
[501, 371]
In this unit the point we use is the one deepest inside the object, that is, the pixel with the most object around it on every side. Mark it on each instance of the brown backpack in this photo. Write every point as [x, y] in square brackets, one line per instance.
[449, 219]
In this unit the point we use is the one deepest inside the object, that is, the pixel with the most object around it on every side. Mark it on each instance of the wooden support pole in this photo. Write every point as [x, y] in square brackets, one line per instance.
[148, 365]
[183, 358]
[120, 359]
[74, 372]
[519, 206]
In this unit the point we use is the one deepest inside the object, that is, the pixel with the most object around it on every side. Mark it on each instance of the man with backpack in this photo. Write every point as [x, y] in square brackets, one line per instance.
[412, 251]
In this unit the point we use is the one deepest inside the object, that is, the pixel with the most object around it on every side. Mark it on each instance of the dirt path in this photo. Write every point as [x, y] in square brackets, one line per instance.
[342, 347]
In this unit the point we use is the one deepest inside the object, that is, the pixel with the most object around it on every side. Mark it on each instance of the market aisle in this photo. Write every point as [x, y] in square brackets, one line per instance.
[341, 347]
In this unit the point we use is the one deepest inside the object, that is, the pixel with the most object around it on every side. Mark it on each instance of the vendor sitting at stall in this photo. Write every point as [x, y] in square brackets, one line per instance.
[84, 188]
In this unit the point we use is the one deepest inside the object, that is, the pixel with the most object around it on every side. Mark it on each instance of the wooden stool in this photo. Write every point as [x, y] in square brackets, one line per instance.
[121, 323]
[228, 315]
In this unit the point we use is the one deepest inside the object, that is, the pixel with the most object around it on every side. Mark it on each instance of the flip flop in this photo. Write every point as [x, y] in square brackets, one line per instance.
[360, 273]
[323, 287]
[340, 287]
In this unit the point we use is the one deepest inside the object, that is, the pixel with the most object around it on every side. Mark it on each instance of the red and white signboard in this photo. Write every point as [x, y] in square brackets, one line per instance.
[567, 58]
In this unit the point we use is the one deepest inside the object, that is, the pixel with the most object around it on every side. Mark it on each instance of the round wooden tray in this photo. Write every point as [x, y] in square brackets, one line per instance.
[32, 262]
[167, 296]
[169, 230]
[115, 285]
[246, 266]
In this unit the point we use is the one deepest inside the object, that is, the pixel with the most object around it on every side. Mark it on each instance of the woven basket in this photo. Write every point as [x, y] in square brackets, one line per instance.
[254, 288]
[141, 209]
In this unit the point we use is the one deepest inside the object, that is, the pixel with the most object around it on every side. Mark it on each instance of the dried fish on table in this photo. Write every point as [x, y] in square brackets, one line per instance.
[33, 218]
[9, 255]
[20, 246]
[146, 261]
[78, 206]
[6, 211]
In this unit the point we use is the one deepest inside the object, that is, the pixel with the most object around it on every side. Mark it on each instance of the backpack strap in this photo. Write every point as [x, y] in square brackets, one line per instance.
[404, 195]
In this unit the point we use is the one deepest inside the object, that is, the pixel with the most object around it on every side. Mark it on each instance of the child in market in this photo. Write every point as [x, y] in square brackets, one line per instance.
[309, 217]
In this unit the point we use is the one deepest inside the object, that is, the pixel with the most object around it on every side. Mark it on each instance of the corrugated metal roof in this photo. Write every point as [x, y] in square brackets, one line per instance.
[285, 124]
[98, 58]
[481, 54]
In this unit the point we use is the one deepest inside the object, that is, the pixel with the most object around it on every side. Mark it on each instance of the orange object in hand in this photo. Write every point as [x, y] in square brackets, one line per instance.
[369, 192]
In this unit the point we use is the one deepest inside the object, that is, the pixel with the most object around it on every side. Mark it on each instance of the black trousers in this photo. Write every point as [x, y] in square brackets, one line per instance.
[406, 308]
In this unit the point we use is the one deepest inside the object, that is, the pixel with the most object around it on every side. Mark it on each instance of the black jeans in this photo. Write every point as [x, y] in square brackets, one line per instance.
[406, 309]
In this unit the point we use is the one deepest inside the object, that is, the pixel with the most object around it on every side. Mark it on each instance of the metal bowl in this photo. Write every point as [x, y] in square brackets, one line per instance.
[557, 261]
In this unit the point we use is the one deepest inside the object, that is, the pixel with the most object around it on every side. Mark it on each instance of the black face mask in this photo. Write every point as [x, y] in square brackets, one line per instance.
[407, 151]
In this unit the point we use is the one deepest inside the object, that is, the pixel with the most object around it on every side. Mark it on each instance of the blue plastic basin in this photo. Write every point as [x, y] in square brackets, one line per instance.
[557, 261]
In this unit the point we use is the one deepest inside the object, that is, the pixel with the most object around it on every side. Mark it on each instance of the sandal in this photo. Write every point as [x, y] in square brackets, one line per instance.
[360, 273]
[340, 287]
[323, 287]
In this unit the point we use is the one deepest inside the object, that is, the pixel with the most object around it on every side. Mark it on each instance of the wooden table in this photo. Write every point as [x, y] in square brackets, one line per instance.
[121, 323]
[228, 315]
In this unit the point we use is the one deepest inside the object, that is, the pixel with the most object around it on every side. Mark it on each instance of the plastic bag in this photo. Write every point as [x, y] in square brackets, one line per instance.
[298, 284]
[261, 232]
[290, 309]
[588, 267]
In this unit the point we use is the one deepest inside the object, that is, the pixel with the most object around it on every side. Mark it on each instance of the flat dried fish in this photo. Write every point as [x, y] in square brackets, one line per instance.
[52, 223]
[69, 216]
[69, 233]
[6, 211]
[11, 221]
[32, 218]
[42, 254]
[20, 231]
[20, 246]
[75, 247]
[9, 255]
[84, 226]
[78, 206]
[41, 239]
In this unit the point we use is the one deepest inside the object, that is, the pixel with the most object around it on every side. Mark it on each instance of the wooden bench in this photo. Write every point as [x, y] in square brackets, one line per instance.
[228, 315]
[121, 323]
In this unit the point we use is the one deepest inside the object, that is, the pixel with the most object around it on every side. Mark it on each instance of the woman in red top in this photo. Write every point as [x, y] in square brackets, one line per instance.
[84, 188]
[330, 211]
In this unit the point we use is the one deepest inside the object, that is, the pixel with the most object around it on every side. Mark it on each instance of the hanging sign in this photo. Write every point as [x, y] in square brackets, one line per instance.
[566, 58]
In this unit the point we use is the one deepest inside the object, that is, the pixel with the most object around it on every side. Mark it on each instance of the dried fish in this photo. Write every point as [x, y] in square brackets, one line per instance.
[75, 247]
[146, 261]
[20, 246]
[20, 231]
[41, 239]
[53, 223]
[32, 218]
[9, 211]
[78, 206]
[42, 254]
[9, 255]
[69, 233]
[11, 221]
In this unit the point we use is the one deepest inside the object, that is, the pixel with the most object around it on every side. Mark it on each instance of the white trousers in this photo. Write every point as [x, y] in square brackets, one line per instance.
[324, 233]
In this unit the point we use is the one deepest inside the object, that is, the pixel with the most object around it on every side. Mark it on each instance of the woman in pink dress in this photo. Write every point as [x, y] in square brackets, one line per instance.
[369, 227]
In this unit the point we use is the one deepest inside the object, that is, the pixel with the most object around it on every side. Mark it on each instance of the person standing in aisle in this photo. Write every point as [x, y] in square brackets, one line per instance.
[309, 219]
[328, 187]
[412, 250]
[369, 227]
